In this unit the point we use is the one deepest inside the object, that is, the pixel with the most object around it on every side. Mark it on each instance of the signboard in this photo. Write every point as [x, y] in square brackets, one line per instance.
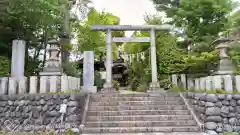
[63, 108]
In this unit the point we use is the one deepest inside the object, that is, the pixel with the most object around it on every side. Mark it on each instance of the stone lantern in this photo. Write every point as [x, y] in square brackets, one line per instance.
[53, 64]
[225, 63]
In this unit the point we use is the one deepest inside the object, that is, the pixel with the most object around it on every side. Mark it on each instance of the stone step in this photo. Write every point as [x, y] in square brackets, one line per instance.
[141, 129]
[139, 118]
[139, 103]
[136, 108]
[140, 123]
[136, 95]
[109, 99]
[138, 112]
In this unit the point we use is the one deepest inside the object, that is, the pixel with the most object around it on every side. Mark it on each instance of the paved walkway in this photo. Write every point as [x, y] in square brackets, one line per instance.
[128, 92]
[174, 133]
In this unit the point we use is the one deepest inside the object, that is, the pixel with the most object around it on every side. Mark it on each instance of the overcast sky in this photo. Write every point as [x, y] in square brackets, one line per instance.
[129, 11]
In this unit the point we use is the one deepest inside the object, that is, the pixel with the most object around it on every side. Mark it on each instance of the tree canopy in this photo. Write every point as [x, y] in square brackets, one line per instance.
[96, 40]
[35, 21]
[198, 24]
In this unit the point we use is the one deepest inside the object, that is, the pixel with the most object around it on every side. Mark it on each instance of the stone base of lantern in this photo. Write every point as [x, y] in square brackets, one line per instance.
[223, 73]
[225, 67]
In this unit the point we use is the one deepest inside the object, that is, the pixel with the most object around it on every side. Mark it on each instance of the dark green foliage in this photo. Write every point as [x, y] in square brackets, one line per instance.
[4, 66]
[99, 82]
[70, 69]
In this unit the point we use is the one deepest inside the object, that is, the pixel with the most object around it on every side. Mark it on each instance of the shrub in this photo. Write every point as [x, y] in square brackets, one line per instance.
[142, 87]
[99, 82]
[115, 84]
[134, 84]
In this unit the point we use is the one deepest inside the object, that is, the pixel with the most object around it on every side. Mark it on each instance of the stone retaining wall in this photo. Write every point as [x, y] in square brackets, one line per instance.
[41, 112]
[220, 113]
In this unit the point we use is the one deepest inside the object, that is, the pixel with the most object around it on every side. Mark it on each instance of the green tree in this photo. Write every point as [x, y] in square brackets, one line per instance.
[33, 21]
[96, 40]
[234, 32]
[200, 22]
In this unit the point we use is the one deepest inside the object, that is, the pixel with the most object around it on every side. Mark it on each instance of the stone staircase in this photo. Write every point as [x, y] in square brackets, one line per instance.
[138, 113]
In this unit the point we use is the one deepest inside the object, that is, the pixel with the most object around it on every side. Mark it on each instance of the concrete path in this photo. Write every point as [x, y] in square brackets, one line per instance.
[173, 133]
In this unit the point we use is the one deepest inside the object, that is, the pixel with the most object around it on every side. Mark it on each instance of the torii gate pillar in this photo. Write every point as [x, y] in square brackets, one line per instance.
[155, 84]
[108, 84]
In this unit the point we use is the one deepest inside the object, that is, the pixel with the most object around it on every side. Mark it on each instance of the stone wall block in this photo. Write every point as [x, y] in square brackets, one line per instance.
[222, 112]
[41, 110]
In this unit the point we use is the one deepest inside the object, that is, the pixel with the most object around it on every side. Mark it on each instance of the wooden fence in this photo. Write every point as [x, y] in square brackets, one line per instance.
[38, 84]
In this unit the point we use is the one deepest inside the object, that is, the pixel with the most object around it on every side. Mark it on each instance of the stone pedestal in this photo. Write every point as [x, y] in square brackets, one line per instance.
[154, 86]
[225, 63]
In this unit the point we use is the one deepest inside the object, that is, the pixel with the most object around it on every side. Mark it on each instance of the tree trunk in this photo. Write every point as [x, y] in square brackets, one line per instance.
[65, 41]
[26, 60]
[45, 46]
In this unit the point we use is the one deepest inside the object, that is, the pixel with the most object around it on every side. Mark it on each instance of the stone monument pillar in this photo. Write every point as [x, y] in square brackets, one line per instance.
[225, 63]
[88, 72]
[18, 59]
[155, 84]
[53, 65]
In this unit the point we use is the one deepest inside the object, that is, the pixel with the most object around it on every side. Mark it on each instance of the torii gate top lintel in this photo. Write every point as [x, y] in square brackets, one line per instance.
[131, 27]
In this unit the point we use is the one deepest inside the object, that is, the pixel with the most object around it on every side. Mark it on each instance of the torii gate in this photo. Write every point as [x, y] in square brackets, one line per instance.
[151, 28]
